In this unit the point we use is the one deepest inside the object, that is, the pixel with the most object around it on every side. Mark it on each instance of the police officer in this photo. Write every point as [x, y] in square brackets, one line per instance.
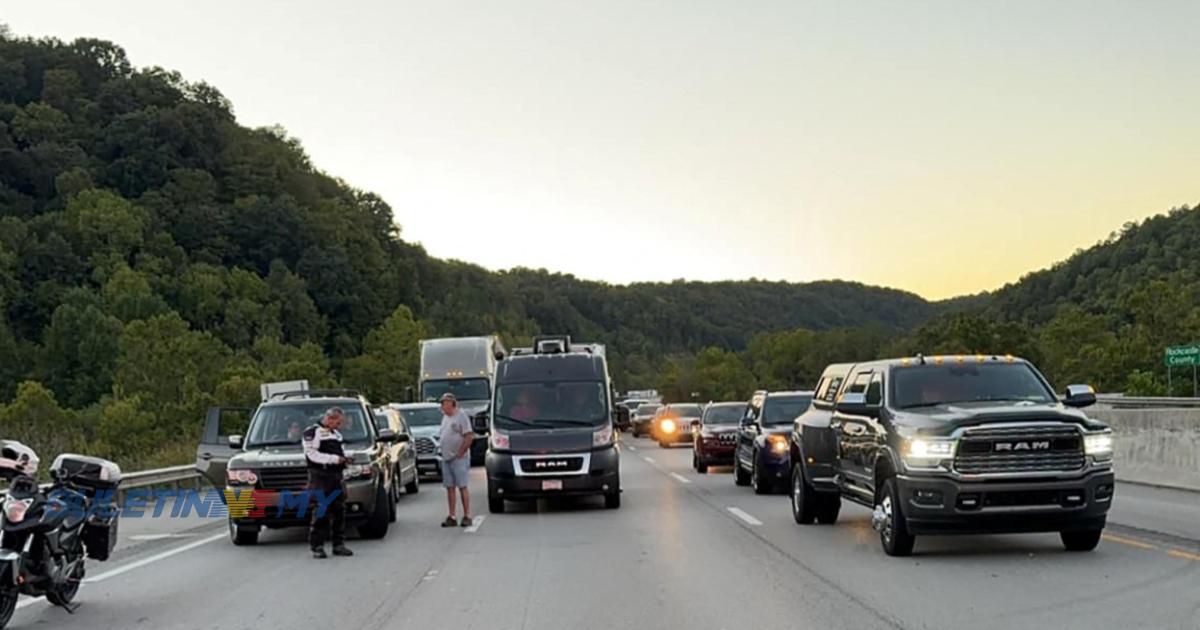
[326, 460]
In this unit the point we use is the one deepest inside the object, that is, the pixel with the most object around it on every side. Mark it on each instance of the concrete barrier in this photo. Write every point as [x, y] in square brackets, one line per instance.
[1155, 446]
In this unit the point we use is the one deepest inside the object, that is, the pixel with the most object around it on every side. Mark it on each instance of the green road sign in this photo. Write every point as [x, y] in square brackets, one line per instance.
[1182, 355]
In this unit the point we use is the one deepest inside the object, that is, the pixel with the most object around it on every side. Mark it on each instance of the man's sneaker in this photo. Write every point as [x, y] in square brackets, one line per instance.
[319, 554]
[449, 522]
[466, 521]
[341, 550]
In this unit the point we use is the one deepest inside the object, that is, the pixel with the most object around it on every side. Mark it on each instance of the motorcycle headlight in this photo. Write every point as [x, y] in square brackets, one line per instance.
[15, 509]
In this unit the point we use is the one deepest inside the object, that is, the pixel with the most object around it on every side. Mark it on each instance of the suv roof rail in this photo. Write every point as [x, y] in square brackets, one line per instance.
[317, 393]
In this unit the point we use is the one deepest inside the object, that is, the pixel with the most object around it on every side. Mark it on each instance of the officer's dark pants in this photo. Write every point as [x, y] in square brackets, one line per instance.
[331, 523]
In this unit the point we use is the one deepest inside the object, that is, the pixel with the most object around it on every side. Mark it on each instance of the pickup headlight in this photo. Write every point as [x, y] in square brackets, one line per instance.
[928, 453]
[778, 443]
[1098, 445]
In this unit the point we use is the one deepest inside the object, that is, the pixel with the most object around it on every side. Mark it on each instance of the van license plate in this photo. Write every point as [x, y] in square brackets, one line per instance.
[552, 484]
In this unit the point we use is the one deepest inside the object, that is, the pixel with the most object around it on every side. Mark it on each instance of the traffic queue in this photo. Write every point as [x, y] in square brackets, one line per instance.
[931, 445]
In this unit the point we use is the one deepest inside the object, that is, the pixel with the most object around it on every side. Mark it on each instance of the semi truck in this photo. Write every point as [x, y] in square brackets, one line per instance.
[465, 367]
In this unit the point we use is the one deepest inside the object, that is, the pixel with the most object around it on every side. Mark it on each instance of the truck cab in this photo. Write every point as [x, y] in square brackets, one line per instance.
[552, 432]
[465, 367]
[952, 445]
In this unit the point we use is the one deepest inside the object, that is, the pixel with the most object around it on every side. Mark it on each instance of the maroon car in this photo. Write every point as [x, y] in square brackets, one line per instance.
[716, 440]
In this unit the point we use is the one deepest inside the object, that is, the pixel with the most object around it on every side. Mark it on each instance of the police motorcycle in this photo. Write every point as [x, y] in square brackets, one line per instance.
[46, 534]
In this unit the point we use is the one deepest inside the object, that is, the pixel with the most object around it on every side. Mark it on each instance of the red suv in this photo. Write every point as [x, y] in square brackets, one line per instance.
[716, 440]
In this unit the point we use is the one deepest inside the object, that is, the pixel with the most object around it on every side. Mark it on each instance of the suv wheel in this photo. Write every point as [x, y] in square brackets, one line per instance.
[413, 486]
[377, 524]
[761, 486]
[893, 527]
[242, 536]
[803, 510]
[740, 477]
[1081, 540]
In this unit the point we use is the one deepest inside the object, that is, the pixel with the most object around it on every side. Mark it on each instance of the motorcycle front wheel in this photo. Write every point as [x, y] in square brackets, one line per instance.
[8, 603]
[64, 595]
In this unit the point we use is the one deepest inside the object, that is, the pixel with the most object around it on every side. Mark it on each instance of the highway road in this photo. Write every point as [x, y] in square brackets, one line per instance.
[684, 551]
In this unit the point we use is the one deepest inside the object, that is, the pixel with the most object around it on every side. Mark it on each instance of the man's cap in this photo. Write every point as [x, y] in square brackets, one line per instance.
[448, 396]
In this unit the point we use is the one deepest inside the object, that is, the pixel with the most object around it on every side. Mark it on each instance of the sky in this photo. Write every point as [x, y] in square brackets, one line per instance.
[943, 148]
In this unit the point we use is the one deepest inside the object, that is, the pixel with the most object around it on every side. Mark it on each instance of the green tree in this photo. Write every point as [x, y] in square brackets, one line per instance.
[167, 363]
[390, 359]
[129, 296]
[81, 348]
[35, 418]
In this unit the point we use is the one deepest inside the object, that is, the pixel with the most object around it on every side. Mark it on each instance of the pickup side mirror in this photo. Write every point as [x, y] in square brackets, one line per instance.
[1079, 396]
[387, 435]
[236, 441]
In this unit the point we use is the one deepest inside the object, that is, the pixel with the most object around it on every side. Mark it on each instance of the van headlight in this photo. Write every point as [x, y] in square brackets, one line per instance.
[603, 437]
[929, 453]
[1098, 445]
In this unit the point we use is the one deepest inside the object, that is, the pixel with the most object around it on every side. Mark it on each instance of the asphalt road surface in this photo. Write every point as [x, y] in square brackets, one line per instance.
[684, 551]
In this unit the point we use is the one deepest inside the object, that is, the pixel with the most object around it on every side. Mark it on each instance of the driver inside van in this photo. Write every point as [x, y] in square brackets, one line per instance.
[526, 409]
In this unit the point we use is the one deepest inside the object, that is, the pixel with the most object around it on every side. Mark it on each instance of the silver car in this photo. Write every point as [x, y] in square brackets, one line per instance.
[424, 420]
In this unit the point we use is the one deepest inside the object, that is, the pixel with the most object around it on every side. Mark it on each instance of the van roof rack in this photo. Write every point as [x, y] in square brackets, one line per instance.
[317, 393]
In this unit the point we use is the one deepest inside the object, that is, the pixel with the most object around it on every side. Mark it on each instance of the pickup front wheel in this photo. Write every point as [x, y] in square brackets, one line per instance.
[1085, 540]
[804, 510]
[890, 521]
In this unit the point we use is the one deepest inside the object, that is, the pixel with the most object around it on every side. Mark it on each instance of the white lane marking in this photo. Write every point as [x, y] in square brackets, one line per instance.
[680, 478]
[649, 459]
[632, 447]
[744, 516]
[431, 575]
[134, 565]
[475, 523]
[160, 536]
[152, 559]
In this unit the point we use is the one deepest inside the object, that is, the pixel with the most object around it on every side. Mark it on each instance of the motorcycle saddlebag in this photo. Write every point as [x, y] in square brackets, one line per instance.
[100, 534]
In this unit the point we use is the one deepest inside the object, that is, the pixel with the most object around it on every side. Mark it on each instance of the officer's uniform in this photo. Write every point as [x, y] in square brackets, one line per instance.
[324, 453]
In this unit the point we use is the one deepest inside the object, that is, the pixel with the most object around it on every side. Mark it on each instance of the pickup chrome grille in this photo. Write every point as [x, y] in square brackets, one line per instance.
[295, 478]
[1020, 449]
[425, 446]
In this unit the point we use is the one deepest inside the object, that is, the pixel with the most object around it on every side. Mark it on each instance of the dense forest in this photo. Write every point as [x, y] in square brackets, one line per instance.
[156, 257]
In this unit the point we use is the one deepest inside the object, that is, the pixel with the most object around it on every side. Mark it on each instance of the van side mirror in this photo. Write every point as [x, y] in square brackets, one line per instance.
[1079, 396]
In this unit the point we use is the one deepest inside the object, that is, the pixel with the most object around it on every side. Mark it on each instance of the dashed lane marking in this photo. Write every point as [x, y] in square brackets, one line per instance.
[475, 523]
[748, 519]
[680, 478]
[1186, 555]
[1128, 541]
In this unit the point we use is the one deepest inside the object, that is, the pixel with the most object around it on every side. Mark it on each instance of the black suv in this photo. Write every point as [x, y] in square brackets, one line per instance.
[953, 445]
[761, 457]
[552, 432]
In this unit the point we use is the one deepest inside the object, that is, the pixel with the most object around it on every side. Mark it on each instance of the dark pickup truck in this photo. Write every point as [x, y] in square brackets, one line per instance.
[952, 445]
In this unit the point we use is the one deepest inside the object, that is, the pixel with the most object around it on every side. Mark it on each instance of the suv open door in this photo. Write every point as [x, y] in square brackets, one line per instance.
[215, 451]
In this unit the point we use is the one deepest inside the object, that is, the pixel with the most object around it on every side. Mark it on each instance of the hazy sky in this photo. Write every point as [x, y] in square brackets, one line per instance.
[939, 147]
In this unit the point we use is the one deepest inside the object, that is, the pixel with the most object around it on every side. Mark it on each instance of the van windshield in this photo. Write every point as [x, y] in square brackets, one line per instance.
[282, 425]
[551, 405]
[463, 389]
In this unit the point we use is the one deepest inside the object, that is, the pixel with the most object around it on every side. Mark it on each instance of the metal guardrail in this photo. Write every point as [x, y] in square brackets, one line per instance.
[175, 475]
[1118, 401]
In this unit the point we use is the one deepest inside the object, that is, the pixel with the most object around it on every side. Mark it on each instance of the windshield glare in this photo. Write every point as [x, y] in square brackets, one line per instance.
[927, 385]
[564, 403]
[724, 414]
[285, 424]
[463, 389]
[422, 417]
[784, 410]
